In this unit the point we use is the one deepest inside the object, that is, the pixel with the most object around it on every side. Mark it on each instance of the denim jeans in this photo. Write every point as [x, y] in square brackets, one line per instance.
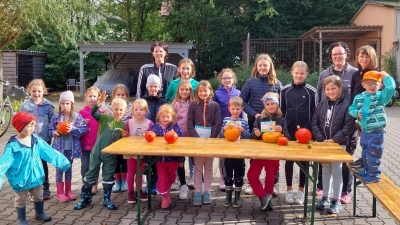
[372, 150]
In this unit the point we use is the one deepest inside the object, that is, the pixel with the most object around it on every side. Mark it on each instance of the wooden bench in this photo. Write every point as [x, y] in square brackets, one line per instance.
[385, 191]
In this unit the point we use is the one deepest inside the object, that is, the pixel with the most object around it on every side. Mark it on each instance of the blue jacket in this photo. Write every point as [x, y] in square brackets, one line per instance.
[43, 114]
[23, 166]
[157, 128]
[79, 128]
[222, 96]
[252, 92]
[153, 103]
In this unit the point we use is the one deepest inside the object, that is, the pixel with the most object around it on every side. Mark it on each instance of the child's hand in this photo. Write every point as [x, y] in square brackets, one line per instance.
[383, 74]
[360, 114]
[102, 98]
[224, 128]
[257, 132]
[86, 121]
[329, 140]
[180, 164]
[69, 127]
[241, 129]
[278, 128]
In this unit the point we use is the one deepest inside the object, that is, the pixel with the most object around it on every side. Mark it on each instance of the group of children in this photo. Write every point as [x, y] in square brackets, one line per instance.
[194, 111]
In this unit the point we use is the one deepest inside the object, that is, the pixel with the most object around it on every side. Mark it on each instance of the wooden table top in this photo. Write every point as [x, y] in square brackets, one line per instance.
[221, 148]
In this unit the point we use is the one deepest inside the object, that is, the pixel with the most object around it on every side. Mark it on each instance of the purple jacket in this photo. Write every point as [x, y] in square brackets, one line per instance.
[157, 128]
[222, 96]
[89, 138]
[181, 109]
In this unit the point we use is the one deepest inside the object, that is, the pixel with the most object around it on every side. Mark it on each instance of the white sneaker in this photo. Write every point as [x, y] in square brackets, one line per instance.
[299, 198]
[175, 186]
[183, 194]
[249, 190]
[190, 182]
[144, 178]
[275, 193]
[289, 197]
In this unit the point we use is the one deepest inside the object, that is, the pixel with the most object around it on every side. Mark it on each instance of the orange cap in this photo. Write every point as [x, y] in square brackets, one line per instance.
[372, 75]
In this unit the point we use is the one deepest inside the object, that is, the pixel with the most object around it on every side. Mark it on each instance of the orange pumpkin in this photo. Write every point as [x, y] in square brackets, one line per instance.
[271, 136]
[232, 133]
[303, 135]
[171, 137]
[62, 127]
[282, 140]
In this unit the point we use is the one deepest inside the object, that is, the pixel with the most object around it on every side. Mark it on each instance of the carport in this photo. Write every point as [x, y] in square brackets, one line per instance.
[130, 55]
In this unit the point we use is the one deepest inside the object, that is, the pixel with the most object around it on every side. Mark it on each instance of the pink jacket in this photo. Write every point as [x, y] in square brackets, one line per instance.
[89, 138]
[181, 109]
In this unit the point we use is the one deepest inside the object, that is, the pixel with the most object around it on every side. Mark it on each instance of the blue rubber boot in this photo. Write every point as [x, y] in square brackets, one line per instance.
[124, 186]
[117, 186]
[40, 215]
[86, 198]
[107, 199]
[21, 212]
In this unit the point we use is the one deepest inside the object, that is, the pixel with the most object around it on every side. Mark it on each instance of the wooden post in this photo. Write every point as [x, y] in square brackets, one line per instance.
[1, 76]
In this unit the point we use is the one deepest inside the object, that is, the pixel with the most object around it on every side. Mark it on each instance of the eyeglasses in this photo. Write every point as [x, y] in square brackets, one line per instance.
[338, 54]
[371, 84]
[364, 57]
[226, 78]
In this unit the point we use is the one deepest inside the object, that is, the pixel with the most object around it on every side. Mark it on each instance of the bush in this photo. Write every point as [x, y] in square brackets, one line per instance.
[389, 62]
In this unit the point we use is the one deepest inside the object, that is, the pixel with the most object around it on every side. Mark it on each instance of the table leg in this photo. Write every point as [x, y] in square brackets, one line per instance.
[315, 179]
[138, 189]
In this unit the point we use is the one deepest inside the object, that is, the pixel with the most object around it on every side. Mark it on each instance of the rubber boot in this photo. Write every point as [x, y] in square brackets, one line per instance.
[94, 187]
[68, 191]
[86, 198]
[228, 198]
[40, 215]
[221, 181]
[237, 202]
[21, 212]
[166, 201]
[124, 186]
[60, 193]
[107, 198]
[46, 190]
[117, 186]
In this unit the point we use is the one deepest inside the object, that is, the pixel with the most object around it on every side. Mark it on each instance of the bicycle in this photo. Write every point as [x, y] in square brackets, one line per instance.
[6, 109]
[396, 96]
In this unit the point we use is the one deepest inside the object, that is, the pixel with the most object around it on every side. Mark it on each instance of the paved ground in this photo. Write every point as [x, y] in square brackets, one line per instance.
[184, 212]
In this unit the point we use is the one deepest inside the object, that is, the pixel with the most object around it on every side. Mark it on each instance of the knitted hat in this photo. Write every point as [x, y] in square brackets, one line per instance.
[67, 96]
[21, 119]
[151, 79]
[372, 75]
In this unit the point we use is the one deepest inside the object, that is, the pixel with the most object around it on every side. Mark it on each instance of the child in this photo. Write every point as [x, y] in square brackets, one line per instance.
[369, 109]
[43, 110]
[263, 79]
[111, 129]
[181, 105]
[226, 90]
[270, 116]
[298, 101]
[332, 124]
[89, 138]
[137, 126]
[154, 102]
[166, 165]
[121, 91]
[21, 163]
[68, 144]
[234, 168]
[185, 72]
[203, 120]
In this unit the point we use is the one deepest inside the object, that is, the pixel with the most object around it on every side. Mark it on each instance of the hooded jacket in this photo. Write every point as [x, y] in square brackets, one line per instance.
[43, 113]
[341, 126]
[89, 138]
[154, 103]
[222, 96]
[23, 165]
[181, 109]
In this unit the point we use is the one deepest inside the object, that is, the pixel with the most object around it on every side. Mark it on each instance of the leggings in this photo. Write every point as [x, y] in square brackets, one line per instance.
[68, 173]
[121, 166]
[289, 174]
[181, 175]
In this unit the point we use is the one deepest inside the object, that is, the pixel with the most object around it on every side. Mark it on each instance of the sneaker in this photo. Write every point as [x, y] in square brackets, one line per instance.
[289, 197]
[197, 200]
[146, 190]
[362, 173]
[183, 192]
[270, 206]
[319, 192]
[248, 190]
[143, 197]
[165, 201]
[299, 198]
[275, 192]
[264, 201]
[206, 197]
[175, 186]
[144, 179]
[370, 180]
[345, 198]
[359, 169]
[154, 190]
[323, 204]
[335, 207]
[190, 183]
[358, 163]
[131, 197]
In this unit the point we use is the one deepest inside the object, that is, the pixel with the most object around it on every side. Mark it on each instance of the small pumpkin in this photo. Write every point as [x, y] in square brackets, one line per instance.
[150, 136]
[303, 135]
[232, 133]
[62, 128]
[171, 137]
[271, 136]
[282, 140]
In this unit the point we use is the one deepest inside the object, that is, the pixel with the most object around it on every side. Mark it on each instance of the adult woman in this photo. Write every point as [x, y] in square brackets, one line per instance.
[159, 67]
[339, 52]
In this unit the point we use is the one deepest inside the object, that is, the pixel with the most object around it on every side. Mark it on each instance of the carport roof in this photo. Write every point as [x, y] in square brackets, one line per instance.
[341, 32]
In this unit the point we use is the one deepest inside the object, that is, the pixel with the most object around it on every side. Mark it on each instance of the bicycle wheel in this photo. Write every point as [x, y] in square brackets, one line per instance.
[5, 118]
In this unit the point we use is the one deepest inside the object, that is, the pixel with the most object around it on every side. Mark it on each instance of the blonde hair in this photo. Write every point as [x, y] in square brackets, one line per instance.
[264, 113]
[205, 84]
[117, 101]
[300, 64]
[166, 108]
[272, 80]
[178, 97]
[188, 61]
[369, 51]
[236, 100]
[36, 82]
[332, 79]
[90, 89]
[121, 87]
[227, 70]
[142, 103]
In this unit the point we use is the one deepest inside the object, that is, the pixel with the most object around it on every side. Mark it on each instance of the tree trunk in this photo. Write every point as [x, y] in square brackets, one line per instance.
[1, 76]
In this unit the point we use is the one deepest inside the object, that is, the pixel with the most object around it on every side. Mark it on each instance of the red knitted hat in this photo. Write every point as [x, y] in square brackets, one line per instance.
[21, 119]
